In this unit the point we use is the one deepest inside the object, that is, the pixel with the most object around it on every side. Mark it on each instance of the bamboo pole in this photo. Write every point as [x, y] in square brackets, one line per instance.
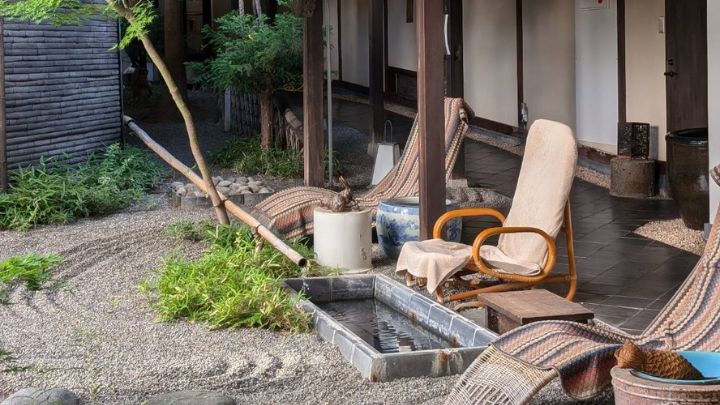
[231, 207]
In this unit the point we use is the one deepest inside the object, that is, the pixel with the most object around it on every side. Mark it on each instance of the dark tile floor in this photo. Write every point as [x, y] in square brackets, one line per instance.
[624, 278]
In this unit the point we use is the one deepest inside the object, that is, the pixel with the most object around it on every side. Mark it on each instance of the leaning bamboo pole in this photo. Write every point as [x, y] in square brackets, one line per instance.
[231, 207]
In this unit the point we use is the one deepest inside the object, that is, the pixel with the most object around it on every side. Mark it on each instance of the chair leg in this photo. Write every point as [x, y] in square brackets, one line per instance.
[440, 294]
[409, 279]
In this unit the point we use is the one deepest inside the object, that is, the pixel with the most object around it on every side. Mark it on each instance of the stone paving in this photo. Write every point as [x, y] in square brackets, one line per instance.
[624, 278]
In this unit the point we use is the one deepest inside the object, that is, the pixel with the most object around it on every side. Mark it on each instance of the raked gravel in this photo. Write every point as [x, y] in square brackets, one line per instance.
[98, 336]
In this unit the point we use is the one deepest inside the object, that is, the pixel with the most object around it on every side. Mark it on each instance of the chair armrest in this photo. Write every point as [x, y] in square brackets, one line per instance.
[487, 233]
[465, 212]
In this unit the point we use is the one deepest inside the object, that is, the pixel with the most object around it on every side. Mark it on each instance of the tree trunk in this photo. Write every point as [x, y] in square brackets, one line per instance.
[177, 97]
[174, 41]
[266, 138]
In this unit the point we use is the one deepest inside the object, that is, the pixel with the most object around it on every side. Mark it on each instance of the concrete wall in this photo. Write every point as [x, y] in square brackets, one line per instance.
[402, 37]
[713, 12]
[354, 14]
[596, 76]
[644, 68]
[549, 59]
[489, 35]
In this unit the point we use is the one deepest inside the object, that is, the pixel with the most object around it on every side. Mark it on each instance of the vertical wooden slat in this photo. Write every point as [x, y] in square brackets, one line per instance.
[376, 30]
[3, 129]
[454, 69]
[313, 97]
[430, 113]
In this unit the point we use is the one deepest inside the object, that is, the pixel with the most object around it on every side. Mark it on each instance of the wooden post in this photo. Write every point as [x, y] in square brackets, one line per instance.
[376, 28]
[313, 144]
[454, 70]
[3, 128]
[430, 113]
[174, 55]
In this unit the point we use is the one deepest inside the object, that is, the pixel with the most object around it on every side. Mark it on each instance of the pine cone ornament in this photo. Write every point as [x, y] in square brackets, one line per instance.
[658, 363]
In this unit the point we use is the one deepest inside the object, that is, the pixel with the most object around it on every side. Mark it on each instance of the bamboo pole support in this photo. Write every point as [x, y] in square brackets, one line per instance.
[231, 207]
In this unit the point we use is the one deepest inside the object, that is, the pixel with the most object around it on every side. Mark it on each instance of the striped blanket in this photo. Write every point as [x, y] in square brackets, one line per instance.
[290, 212]
[583, 355]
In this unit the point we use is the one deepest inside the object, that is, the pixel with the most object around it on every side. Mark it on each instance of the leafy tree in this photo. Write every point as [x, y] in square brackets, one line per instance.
[255, 56]
[140, 16]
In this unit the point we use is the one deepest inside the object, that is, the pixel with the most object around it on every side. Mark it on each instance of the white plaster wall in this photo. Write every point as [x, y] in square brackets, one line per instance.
[713, 13]
[644, 67]
[549, 59]
[402, 37]
[355, 49]
[596, 76]
[489, 36]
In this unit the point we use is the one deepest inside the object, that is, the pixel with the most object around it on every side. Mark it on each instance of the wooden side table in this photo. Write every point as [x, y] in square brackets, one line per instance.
[509, 310]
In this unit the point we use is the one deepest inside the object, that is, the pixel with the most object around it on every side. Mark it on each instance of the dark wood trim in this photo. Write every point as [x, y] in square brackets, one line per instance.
[3, 127]
[356, 88]
[339, 40]
[313, 128]
[430, 114]
[622, 84]
[520, 46]
[376, 69]
[391, 93]
[455, 80]
[385, 45]
[493, 125]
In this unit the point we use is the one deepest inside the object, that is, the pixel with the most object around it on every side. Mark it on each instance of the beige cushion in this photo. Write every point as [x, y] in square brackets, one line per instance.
[434, 259]
[502, 263]
[543, 188]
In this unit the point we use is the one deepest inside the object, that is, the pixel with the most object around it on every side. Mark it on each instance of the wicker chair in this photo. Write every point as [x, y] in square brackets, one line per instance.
[524, 360]
[290, 212]
[525, 254]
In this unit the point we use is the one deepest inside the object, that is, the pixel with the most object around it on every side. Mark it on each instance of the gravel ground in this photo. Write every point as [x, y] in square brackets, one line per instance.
[98, 336]
[674, 233]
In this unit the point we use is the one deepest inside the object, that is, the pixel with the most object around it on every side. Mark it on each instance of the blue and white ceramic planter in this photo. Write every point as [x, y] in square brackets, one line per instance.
[398, 221]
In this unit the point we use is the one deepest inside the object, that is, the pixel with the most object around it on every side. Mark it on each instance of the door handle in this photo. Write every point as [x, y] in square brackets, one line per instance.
[670, 74]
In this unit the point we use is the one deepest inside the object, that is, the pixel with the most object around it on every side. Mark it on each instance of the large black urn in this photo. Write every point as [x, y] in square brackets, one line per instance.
[687, 159]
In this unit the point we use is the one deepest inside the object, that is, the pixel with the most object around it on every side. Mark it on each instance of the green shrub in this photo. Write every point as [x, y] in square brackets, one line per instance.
[109, 181]
[234, 284]
[31, 270]
[245, 156]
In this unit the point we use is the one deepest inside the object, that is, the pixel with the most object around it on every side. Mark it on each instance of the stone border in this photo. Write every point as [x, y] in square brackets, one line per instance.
[470, 338]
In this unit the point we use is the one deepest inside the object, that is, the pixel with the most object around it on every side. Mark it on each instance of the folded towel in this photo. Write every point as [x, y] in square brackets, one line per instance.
[434, 259]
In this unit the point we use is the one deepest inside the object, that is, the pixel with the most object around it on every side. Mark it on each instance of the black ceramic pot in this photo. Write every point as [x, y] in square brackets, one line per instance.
[687, 160]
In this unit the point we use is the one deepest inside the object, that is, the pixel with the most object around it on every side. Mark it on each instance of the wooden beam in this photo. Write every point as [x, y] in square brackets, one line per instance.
[376, 28]
[430, 113]
[622, 86]
[313, 97]
[454, 69]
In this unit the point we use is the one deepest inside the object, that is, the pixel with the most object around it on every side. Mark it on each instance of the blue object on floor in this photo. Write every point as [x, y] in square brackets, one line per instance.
[707, 363]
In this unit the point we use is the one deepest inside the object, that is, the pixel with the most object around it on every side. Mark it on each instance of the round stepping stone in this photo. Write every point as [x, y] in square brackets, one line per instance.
[39, 396]
[190, 398]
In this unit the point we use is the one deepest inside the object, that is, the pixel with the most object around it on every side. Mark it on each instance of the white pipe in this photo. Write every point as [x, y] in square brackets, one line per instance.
[328, 63]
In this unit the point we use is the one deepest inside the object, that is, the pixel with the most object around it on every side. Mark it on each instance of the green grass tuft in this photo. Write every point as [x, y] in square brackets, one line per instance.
[245, 156]
[233, 285]
[109, 181]
[31, 270]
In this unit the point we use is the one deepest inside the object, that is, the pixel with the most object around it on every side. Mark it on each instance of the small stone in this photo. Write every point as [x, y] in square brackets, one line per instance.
[248, 191]
[217, 179]
[180, 190]
[230, 179]
[37, 396]
[254, 187]
[264, 190]
[191, 188]
[190, 398]
[241, 180]
[224, 190]
[232, 193]
[236, 187]
[224, 183]
[250, 180]
[176, 184]
[199, 194]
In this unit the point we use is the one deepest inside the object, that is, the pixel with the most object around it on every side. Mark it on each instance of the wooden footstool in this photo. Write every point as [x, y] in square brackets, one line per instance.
[509, 310]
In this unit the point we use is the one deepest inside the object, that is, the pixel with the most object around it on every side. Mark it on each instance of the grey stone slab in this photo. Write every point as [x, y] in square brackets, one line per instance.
[419, 308]
[352, 287]
[40, 396]
[315, 289]
[344, 342]
[363, 360]
[462, 331]
[439, 320]
[400, 298]
[383, 290]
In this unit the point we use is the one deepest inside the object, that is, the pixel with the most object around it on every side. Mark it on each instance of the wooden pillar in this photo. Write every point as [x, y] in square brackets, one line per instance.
[313, 140]
[376, 28]
[430, 113]
[174, 41]
[454, 70]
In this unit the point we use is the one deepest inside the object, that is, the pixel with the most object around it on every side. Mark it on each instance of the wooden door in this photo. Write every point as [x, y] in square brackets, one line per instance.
[686, 69]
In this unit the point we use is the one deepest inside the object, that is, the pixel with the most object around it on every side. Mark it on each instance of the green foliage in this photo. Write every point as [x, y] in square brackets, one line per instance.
[109, 181]
[252, 55]
[246, 156]
[205, 230]
[235, 284]
[144, 17]
[31, 270]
